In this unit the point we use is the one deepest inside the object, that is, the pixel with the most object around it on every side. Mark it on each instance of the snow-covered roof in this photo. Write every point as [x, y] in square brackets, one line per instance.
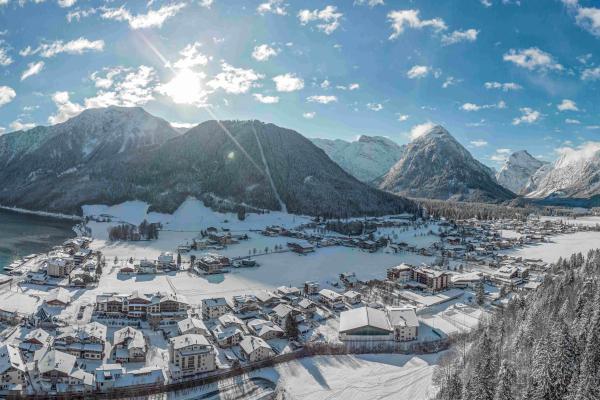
[188, 324]
[38, 335]
[10, 357]
[191, 339]
[135, 337]
[54, 360]
[364, 316]
[252, 343]
[330, 294]
[59, 294]
[403, 316]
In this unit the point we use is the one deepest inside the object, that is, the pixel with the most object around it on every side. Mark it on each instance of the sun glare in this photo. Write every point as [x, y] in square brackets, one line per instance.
[185, 88]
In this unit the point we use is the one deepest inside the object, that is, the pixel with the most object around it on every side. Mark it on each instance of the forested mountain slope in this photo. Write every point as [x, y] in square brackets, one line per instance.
[542, 346]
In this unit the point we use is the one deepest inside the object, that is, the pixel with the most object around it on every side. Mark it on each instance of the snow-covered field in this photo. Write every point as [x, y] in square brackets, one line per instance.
[356, 377]
[559, 246]
[588, 220]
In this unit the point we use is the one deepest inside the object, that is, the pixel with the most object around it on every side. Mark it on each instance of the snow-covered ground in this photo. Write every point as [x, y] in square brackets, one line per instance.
[356, 377]
[588, 220]
[559, 246]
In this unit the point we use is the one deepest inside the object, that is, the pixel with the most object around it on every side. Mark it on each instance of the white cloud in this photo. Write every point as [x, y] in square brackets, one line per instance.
[402, 19]
[370, 3]
[501, 155]
[353, 86]
[206, 3]
[450, 81]
[584, 58]
[5, 59]
[66, 3]
[486, 3]
[375, 106]
[18, 125]
[585, 151]
[153, 18]
[325, 84]
[572, 121]
[418, 72]
[288, 82]
[322, 99]
[589, 19]
[7, 94]
[505, 87]
[264, 52]
[470, 35]
[272, 6]
[33, 68]
[309, 115]
[235, 80]
[567, 105]
[106, 81]
[191, 57]
[529, 116]
[532, 59]
[403, 117]
[266, 99]
[65, 108]
[328, 19]
[419, 130]
[77, 46]
[78, 14]
[479, 143]
[182, 125]
[476, 107]
[590, 74]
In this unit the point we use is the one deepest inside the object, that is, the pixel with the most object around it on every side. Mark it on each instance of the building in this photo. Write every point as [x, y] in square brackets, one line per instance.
[58, 267]
[311, 287]
[58, 370]
[301, 248]
[166, 307]
[214, 308]
[469, 279]
[365, 323]
[352, 297]
[12, 368]
[165, 260]
[255, 349]
[400, 273]
[281, 313]
[404, 323]
[146, 267]
[129, 345]
[86, 341]
[58, 297]
[264, 329]
[432, 279]
[111, 376]
[191, 354]
[227, 336]
[212, 263]
[35, 340]
[192, 326]
[331, 299]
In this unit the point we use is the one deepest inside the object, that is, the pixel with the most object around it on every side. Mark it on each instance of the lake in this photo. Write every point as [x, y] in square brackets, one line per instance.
[24, 234]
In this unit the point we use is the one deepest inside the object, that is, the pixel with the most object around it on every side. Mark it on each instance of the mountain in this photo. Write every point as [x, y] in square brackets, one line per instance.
[436, 166]
[107, 156]
[518, 170]
[575, 174]
[367, 158]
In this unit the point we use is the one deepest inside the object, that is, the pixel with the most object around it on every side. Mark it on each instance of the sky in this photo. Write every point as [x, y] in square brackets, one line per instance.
[500, 75]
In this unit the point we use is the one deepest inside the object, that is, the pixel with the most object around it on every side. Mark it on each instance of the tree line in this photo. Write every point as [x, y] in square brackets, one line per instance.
[144, 231]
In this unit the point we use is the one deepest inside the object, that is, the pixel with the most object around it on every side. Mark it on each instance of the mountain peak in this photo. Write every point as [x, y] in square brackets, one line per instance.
[518, 169]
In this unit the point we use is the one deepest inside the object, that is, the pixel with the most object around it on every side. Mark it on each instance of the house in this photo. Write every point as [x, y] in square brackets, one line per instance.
[192, 325]
[129, 345]
[146, 267]
[35, 340]
[307, 307]
[264, 329]
[281, 313]
[12, 368]
[230, 319]
[165, 260]
[109, 376]
[212, 263]
[58, 369]
[267, 298]
[365, 323]
[81, 256]
[214, 308]
[285, 291]
[311, 287]
[351, 297]
[404, 323]
[191, 354]
[245, 304]
[227, 336]
[332, 299]
[255, 349]
[127, 269]
[86, 341]
[58, 297]
[301, 247]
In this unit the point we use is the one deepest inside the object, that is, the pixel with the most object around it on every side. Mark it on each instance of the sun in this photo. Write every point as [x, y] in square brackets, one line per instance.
[186, 87]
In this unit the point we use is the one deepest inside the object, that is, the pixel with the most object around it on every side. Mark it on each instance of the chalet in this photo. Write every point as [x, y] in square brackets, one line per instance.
[247, 303]
[129, 345]
[311, 287]
[81, 256]
[332, 299]
[307, 307]
[146, 267]
[214, 307]
[127, 269]
[348, 279]
[135, 305]
[281, 313]
[58, 297]
[191, 354]
[59, 371]
[301, 248]
[229, 319]
[192, 326]
[165, 260]
[351, 297]
[13, 372]
[289, 293]
[264, 329]
[35, 340]
[212, 263]
[86, 341]
[227, 336]
[267, 298]
[255, 349]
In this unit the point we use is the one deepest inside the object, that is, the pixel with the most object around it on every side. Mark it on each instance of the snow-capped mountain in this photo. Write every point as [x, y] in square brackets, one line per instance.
[107, 156]
[518, 170]
[437, 166]
[367, 158]
[575, 174]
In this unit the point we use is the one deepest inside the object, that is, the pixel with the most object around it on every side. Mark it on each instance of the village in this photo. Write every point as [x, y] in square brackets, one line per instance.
[93, 316]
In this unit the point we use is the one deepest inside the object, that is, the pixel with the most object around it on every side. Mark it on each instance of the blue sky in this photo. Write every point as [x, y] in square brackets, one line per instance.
[500, 75]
